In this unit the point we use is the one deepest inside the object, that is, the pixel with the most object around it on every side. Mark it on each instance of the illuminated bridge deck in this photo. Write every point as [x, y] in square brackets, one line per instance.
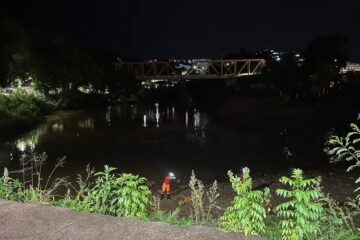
[192, 70]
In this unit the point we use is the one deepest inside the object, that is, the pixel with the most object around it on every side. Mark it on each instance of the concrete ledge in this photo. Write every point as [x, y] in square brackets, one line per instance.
[30, 221]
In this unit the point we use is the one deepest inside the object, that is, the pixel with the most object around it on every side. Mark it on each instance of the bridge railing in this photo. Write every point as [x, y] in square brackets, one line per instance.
[196, 69]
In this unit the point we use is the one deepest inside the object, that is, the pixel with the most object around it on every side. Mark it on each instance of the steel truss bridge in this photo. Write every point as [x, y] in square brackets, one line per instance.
[193, 69]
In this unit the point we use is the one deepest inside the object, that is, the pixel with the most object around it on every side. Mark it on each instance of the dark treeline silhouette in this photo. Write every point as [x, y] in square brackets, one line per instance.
[57, 65]
[319, 67]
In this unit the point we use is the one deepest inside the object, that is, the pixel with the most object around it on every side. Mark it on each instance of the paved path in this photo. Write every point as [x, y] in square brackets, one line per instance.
[30, 221]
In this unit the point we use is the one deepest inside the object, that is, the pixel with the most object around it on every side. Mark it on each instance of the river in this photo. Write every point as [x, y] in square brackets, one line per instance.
[153, 140]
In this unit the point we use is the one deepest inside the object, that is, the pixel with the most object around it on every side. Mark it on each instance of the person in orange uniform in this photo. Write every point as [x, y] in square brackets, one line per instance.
[241, 175]
[166, 185]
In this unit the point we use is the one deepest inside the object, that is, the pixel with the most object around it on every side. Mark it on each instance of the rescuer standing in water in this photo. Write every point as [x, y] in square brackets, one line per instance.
[166, 185]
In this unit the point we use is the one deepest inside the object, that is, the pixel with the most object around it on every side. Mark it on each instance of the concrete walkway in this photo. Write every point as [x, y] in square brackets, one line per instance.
[30, 221]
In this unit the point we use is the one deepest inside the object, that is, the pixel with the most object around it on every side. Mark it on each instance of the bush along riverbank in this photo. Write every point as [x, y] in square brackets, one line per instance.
[303, 212]
[20, 111]
[23, 108]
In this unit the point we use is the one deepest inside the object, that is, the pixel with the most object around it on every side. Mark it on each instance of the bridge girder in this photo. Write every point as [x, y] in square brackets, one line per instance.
[209, 69]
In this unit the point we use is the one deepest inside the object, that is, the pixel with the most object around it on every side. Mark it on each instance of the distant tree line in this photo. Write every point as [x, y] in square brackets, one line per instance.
[58, 66]
[56, 63]
[318, 70]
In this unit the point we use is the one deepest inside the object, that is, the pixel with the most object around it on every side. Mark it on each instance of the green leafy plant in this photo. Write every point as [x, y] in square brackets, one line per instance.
[337, 222]
[171, 217]
[248, 209]
[119, 195]
[157, 214]
[134, 196]
[300, 214]
[347, 148]
[21, 110]
[10, 189]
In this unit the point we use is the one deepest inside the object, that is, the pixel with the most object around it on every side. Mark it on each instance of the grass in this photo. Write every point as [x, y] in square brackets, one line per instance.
[126, 195]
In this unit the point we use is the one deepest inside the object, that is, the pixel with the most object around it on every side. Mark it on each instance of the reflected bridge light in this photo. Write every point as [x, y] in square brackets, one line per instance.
[157, 114]
[57, 127]
[108, 116]
[144, 124]
[173, 113]
[196, 119]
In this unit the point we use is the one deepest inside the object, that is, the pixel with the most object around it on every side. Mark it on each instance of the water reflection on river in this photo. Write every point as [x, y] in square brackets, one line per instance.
[145, 140]
[149, 141]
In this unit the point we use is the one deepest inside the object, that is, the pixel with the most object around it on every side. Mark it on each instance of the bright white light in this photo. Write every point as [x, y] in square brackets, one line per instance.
[157, 114]
[108, 116]
[172, 175]
[144, 124]
[196, 120]
[21, 145]
[278, 59]
[173, 113]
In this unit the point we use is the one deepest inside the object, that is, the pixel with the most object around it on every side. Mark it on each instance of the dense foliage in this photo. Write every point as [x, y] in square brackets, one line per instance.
[248, 209]
[21, 110]
[301, 212]
[113, 194]
[57, 65]
[347, 148]
[10, 188]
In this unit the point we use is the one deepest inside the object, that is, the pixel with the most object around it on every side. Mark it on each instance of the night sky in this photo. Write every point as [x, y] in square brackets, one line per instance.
[191, 29]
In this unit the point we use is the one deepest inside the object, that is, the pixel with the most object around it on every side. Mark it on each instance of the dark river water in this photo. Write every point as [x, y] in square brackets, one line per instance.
[151, 141]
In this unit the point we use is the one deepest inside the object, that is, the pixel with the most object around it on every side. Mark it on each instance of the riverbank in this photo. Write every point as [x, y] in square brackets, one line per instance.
[336, 182]
[30, 221]
[20, 111]
[23, 109]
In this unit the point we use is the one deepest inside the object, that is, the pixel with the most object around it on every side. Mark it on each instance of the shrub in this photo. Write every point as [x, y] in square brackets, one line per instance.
[247, 211]
[347, 148]
[134, 196]
[124, 195]
[171, 217]
[199, 213]
[10, 189]
[337, 222]
[300, 215]
[21, 110]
